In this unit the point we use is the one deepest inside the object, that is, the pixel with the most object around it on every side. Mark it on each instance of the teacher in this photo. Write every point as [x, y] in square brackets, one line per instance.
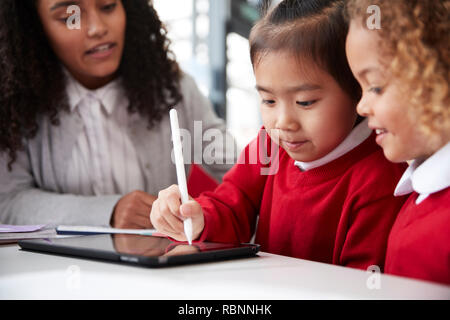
[84, 128]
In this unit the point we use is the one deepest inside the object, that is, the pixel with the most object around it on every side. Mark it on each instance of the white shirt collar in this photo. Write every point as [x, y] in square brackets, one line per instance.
[428, 177]
[108, 95]
[360, 133]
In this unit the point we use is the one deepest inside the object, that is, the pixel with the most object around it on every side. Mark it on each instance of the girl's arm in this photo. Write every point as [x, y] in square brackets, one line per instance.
[230, 211]
[226, 215]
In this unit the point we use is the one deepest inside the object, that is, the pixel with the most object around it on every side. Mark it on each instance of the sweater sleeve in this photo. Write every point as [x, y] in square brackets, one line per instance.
[369, 215]
[231, 210]
[23, 202]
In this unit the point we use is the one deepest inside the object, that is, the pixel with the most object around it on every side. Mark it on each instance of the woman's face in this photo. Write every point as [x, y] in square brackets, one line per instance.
[302, 107]
[397, 131]
[92, 53]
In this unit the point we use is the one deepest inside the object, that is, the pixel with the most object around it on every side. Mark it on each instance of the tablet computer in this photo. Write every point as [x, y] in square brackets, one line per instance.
[149, 251]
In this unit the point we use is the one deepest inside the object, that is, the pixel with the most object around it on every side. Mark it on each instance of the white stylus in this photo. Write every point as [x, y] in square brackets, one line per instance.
[179, 164]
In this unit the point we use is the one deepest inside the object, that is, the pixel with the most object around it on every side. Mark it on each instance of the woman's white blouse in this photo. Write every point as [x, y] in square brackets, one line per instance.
[104, 160]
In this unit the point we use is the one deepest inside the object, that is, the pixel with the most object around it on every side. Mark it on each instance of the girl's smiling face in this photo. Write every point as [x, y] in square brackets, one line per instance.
[92, 54]
[302, 106]
[382, 102]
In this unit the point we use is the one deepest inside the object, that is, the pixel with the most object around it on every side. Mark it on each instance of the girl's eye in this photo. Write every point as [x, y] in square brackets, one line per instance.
[376, 90]
[109, 7]
[306, 103]
[269, 102]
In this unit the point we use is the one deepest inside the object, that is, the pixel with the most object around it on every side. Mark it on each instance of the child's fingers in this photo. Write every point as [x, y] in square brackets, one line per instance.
[171, 198]
[167, 230]
[191, 209]
[173, 203]
[165, 218]
[177, 236]
[154, 213]
[163, 226]
[160, 223]
[174, 223]
[166, 215]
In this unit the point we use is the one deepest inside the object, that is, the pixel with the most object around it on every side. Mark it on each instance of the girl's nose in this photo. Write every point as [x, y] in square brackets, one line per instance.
[363, 108]
[287, 119]
[95, 26]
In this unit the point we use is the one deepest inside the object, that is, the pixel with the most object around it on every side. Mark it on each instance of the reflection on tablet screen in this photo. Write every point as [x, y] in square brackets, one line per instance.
[157, 246]
[140, 245]
[158, 251]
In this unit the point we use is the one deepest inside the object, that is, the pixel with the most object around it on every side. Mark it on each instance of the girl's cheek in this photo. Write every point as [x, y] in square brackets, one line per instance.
[264, 112]
[268, 118]
[382, 110]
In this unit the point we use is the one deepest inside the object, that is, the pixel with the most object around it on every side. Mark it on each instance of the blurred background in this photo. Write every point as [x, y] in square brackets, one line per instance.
[210, 41]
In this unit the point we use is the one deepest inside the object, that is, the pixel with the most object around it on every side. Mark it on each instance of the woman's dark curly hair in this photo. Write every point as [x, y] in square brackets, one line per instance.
[32, 82]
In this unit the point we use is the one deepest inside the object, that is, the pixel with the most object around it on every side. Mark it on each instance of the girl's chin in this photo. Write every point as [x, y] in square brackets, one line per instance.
[394, 155]
[301, 157]
[307, 153]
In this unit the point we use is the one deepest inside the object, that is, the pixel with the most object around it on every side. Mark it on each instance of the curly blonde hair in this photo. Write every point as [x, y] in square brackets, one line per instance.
[415, 34]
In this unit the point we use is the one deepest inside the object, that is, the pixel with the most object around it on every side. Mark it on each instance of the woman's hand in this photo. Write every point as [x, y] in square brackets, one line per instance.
[168, 214]
[132, 210]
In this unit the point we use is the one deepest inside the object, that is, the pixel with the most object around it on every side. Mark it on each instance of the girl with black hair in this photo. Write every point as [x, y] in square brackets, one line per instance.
[329, 198]
[84, 112]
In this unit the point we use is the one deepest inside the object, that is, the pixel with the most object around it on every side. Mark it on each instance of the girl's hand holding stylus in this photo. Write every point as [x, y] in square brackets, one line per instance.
[168, 213]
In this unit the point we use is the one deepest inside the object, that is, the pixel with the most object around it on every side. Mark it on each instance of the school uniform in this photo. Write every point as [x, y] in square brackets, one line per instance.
[419, 243]
[338, 209]
[75, 173]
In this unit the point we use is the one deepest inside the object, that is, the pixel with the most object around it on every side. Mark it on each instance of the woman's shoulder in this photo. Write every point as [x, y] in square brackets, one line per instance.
[194, 104]
[187, 84]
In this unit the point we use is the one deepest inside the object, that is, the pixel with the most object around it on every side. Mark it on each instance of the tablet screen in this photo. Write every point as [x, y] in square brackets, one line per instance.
[140, 245]
[145, 250]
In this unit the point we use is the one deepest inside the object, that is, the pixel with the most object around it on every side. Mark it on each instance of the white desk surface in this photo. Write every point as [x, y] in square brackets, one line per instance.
[29, 275]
